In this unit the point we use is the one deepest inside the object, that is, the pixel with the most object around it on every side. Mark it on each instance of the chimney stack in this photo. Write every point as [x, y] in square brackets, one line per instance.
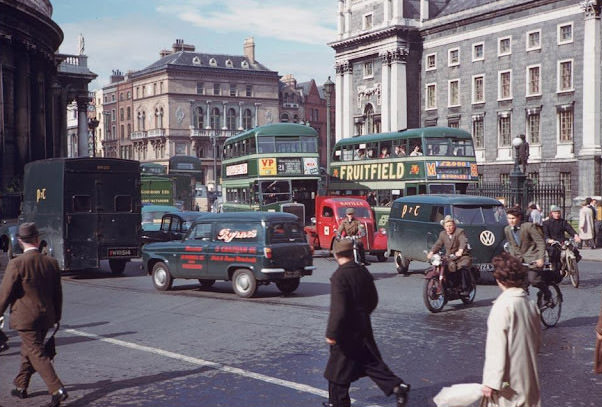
[179, 45]
[249, 49]
[116, 76]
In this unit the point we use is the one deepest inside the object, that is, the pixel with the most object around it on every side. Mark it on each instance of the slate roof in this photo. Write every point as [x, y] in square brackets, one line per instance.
[455, 6]
[187, 59]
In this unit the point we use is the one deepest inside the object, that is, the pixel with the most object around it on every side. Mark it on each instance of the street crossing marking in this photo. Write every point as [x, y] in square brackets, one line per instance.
[206, 363]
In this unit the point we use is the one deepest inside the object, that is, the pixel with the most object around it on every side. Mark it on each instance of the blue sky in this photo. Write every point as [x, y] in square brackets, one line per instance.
[290, 35]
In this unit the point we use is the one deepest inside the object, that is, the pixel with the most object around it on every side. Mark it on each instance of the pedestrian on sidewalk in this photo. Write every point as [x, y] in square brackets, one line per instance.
[586, 224]
[31, 286]
[510, 375]
[353, 350]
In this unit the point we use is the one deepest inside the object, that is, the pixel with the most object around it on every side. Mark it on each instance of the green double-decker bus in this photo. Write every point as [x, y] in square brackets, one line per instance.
[430, 160]
[272, 168]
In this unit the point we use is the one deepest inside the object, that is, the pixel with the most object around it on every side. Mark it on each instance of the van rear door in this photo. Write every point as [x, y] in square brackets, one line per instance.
[289, 246]
[81, 240]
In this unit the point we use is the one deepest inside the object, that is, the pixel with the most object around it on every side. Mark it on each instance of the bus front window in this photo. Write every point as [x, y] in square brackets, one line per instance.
[462, 148]
[275, 191]
[437, 146]
[308, 144]
[265, 145]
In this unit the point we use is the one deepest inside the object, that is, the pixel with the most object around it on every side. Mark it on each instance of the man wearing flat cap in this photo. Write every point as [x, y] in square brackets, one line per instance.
[555, 228]
[353, 350]
[455, 242]
[353, 227]
[32, 288]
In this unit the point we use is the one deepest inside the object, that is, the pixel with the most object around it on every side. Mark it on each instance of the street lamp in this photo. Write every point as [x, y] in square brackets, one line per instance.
[214, 143]
[517, 177]
[328, 89]
[92, 125]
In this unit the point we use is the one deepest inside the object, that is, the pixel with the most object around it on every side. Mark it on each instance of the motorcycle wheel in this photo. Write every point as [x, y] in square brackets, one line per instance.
[433, 294]
[573, 271]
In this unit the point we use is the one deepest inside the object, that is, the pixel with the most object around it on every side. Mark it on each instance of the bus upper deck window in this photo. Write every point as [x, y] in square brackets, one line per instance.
[123, 203]
[82, 203]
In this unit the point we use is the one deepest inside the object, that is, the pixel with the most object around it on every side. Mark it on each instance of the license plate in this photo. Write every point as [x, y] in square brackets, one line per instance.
[292, 274]
[122, 252]
[486, 267]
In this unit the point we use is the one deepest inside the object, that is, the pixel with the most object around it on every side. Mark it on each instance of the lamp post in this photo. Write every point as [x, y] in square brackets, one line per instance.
[214, 143]
[328, 88]
[517, 177]
[92, 125]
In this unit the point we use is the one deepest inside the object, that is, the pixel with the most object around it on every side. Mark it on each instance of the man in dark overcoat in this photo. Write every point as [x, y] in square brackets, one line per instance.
[32, 288]
[353, 350]
[555, 229]
[455, 242]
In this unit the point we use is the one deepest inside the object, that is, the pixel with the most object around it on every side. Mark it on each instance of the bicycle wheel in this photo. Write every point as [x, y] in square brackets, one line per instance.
[573, 271]
[550, 313]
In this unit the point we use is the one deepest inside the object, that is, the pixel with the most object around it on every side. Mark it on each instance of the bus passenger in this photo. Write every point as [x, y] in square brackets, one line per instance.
[416, 152]
[400, 151]
[371, 154]
[360, 154]
[384, 152]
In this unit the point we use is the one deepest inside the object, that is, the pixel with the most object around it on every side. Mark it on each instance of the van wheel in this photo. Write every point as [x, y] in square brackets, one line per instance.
[289, 285]
[206, 283]
[244, 283]
[381, 257]
[162, 279]
[402, 263]
[117, 266]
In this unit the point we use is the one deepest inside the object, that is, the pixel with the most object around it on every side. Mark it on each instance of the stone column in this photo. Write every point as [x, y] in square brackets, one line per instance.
[399, 100]
[341, 19]
[240, 109]
[385, 104]
[224, 110]
[347, 100]
[207, 115]
[339, 102]
[397, 11]
[257, 114]
[347, 32]
[82, 127]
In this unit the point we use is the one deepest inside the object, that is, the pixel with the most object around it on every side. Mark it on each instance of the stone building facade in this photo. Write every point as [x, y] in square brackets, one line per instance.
[187, 103]
[494, 68]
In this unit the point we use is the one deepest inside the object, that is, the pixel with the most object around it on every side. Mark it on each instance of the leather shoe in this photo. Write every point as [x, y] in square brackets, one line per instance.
[4, 347]
[19, 393]
[401, 392]
[366, 263]
[327, 404]
[57, 397]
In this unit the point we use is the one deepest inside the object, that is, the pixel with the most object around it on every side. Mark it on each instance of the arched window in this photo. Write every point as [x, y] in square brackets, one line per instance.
[247, 118]
[296, 119]
[200, 118]
[231, 119]
[143, 121]
[215, 118]
[369, 122]
[284, 118]
[160, 121]
[157, 119]
[286, 98]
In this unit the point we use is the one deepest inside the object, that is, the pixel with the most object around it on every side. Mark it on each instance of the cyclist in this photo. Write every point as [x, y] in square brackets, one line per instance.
[527, 244]
[554, 230]
[455, 242]
[353, 227]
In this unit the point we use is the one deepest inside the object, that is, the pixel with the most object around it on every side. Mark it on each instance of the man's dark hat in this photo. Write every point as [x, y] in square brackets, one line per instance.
[342, 246]
[27, 230]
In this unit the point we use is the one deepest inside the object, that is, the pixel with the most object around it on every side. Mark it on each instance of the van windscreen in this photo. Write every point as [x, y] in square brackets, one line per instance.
[360, 212]
[479, 215]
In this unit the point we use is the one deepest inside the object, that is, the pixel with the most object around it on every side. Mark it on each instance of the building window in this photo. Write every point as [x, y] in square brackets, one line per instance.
[232, 90]
[565, 33]
[478, 51]
[533, 128]
[143, 90]
[431, 62]
[453, 123]
[504, 130]
[478, 89]
[368, 22]
[229, 63]
[478, 134]
[504, 46]
[431, 96]
[504, 178]
[368, 72]
[453, 93]
[121, 97]
[284, 117]
[200, 118]
[121, 114]
[216, 88]
[247, 118]
[231, 119]
[249, 91]
[534, 80]
[200, 90]
[113, 115]
[154, 89]
[215, 118]
[565, 125]
[533, 40]
[160, 87]
[453, 57]
[369, 119]
[129, 113]
[129, 130]
[159, 118]
[504, 85]
[122, 131]
[565, 75]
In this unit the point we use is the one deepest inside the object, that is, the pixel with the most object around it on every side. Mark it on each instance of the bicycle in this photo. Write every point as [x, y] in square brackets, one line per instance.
[549, 311]
[568, 261]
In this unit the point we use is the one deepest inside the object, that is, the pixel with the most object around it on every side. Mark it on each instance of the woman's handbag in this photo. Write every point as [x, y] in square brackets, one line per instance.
[459, 395]
[50, 346]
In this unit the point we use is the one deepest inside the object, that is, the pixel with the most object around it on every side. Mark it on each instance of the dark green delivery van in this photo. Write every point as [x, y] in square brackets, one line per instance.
[414, 226]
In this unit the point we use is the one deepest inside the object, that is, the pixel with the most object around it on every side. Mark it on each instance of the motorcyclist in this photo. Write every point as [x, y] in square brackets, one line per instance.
[353, 227]
[455, 242]
[554, 230]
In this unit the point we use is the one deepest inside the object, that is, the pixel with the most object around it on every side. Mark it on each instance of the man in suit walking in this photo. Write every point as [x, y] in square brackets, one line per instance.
[527, 244]
[32, 288]
[353, 350]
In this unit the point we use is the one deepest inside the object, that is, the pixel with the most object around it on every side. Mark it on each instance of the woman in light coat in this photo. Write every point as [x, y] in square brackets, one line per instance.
[586, 224]
[513, 338]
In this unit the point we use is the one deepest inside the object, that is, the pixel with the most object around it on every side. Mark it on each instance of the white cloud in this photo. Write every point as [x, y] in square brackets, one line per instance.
[309, 23]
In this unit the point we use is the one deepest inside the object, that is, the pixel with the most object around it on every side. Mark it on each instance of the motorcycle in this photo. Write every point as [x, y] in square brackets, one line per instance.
[568, 261]
[356, 250]
[439, 287]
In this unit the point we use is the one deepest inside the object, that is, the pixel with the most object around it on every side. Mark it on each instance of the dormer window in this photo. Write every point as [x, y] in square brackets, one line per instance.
[212, 62]
[196, 60]
[229, 63]
[244, 64]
